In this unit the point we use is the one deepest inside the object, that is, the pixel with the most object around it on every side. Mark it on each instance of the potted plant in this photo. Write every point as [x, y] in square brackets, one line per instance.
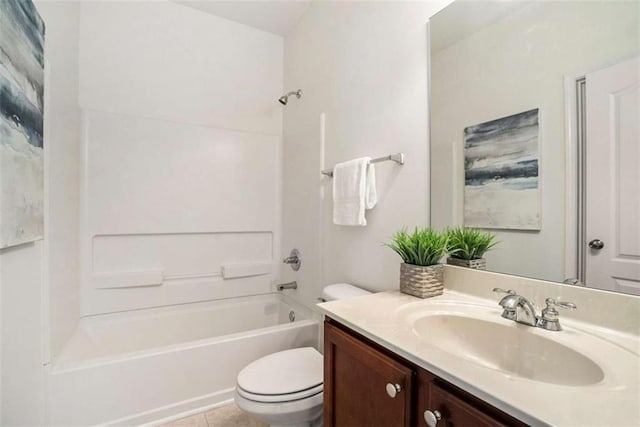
[421, 251]
[466, 247]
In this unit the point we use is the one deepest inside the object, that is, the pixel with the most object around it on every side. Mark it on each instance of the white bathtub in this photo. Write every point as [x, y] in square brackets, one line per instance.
[146, 365]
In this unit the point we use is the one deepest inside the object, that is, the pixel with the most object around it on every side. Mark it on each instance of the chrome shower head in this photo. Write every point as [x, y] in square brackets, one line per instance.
[285, 98]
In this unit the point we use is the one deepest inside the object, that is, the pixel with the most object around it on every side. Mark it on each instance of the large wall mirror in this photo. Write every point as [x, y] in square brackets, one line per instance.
[535, 135]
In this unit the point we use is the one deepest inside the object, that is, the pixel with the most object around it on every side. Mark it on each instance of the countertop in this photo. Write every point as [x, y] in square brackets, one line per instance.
[385, 318]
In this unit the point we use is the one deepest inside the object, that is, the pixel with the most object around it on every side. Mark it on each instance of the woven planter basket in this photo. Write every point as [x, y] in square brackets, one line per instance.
[421, 282]
[478, 264]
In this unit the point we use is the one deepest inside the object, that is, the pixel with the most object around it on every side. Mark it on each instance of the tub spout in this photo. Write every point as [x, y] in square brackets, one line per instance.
[290, 285]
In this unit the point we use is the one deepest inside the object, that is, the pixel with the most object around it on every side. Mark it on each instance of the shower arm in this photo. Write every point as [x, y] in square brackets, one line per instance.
[297, 93]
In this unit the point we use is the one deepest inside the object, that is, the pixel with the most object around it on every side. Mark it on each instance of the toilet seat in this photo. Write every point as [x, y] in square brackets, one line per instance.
[283, 376]
[280, 398]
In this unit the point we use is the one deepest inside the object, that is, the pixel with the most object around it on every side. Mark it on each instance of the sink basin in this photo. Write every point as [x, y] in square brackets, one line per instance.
[514, 349]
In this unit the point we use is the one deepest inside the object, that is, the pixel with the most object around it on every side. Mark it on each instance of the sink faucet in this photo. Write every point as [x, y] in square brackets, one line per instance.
[517, 308]
[520, 309]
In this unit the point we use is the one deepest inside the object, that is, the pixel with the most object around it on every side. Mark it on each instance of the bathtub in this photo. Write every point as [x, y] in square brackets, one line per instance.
[147, 365]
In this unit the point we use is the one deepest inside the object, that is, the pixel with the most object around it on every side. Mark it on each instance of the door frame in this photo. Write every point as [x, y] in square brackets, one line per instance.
[574, 205]
[574, 238]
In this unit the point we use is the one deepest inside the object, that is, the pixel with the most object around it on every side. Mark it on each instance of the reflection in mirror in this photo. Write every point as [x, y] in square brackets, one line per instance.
[572, 166]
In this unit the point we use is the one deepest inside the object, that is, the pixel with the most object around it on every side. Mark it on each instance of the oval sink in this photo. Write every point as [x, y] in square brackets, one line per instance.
[513, 349]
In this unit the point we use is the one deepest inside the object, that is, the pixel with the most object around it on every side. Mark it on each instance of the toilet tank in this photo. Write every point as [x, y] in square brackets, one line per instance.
[342, 291]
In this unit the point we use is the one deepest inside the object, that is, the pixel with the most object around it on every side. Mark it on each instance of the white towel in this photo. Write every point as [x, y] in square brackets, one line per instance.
[354, 190]
[371, 195]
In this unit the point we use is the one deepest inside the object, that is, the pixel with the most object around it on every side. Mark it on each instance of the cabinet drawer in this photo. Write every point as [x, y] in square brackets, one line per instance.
[458, 412]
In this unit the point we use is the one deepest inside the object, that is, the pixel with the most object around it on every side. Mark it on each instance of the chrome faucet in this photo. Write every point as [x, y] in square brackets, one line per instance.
[517, 308]
[289, 285]
[520, 309]
[573, 281]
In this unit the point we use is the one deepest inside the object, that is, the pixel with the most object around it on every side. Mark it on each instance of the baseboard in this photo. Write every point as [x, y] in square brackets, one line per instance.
[166, 414]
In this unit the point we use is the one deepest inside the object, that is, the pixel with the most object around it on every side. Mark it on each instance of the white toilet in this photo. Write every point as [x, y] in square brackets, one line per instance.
[285, 388]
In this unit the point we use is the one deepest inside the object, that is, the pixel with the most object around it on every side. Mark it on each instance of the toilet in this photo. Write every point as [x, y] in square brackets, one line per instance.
[285, 388]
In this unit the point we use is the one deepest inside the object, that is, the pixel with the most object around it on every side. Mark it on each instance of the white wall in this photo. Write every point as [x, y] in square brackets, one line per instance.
[511, 66]
[363, 64]
[39, 305]
[23, 340]
[1, 343]
[181, 164]
[166, 61]
[63, 149]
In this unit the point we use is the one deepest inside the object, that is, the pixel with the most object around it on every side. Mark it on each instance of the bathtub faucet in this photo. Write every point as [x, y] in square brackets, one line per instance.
[290, 285]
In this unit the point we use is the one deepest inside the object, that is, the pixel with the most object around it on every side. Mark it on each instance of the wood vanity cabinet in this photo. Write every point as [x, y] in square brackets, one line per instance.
[360, 378]
[355, 380]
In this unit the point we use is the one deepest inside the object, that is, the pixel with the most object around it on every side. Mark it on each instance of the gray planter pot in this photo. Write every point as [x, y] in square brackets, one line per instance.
[421, 282]
[478, 264]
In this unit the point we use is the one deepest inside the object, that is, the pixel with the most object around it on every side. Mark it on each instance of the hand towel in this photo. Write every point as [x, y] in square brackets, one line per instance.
[353, 191]
[371, 194]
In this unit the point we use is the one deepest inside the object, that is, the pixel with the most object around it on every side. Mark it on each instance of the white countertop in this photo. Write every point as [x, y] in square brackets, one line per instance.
[386, 319]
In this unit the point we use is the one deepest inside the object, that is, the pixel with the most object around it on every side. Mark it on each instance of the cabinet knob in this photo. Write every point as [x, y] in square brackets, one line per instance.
[432, 418]
[393, 389]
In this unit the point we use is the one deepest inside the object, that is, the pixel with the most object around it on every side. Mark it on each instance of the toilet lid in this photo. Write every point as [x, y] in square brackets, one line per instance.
[339, 291]
[285, 372]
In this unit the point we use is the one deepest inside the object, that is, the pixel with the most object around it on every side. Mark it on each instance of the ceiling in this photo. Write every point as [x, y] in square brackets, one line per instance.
[461, 19]
[274, 16]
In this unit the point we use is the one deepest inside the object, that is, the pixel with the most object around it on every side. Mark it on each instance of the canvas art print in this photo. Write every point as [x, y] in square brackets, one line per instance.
[21, 123]
[501, 173]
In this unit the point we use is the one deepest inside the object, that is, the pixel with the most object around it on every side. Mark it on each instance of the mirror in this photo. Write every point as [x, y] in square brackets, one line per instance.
[522, 70]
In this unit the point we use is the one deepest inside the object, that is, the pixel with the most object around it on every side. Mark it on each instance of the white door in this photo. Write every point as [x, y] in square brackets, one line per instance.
[613, 178]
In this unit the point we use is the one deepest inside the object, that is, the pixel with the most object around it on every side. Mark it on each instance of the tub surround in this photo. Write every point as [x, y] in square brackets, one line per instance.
[609, 320]
[161, 174]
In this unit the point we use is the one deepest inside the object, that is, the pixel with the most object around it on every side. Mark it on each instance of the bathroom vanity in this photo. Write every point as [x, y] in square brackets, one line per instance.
[366, 384]
[393, 359]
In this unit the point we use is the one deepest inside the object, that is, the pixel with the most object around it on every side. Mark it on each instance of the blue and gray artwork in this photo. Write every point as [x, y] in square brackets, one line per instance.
[21, 123]
[501, 173]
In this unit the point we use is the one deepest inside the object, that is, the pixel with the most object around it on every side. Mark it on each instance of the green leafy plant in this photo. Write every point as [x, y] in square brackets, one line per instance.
[469, 243]
[423, 247]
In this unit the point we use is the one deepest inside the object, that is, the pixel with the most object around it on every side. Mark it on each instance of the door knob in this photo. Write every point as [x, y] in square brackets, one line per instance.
[596, 244]
[393, 389]
[432, 418]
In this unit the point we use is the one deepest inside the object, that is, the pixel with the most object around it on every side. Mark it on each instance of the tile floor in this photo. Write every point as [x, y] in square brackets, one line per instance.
[224, 416]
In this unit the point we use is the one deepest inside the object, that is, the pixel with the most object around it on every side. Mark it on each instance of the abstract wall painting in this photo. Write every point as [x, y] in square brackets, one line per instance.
[501, 173]
[21, 123]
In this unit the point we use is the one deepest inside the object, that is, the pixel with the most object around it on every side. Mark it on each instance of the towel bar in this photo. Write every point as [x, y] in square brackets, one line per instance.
[398, 158]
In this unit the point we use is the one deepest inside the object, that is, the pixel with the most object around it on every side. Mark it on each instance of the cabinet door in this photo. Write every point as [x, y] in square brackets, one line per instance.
[356, 382]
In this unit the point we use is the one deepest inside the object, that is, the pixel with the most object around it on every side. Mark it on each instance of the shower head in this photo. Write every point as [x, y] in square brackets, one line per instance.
[285, 98]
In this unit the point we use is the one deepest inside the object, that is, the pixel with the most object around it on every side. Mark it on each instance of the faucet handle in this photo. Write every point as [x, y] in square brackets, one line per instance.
[502, 291]
[564, 304]
[294, 259]
[549, 318]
